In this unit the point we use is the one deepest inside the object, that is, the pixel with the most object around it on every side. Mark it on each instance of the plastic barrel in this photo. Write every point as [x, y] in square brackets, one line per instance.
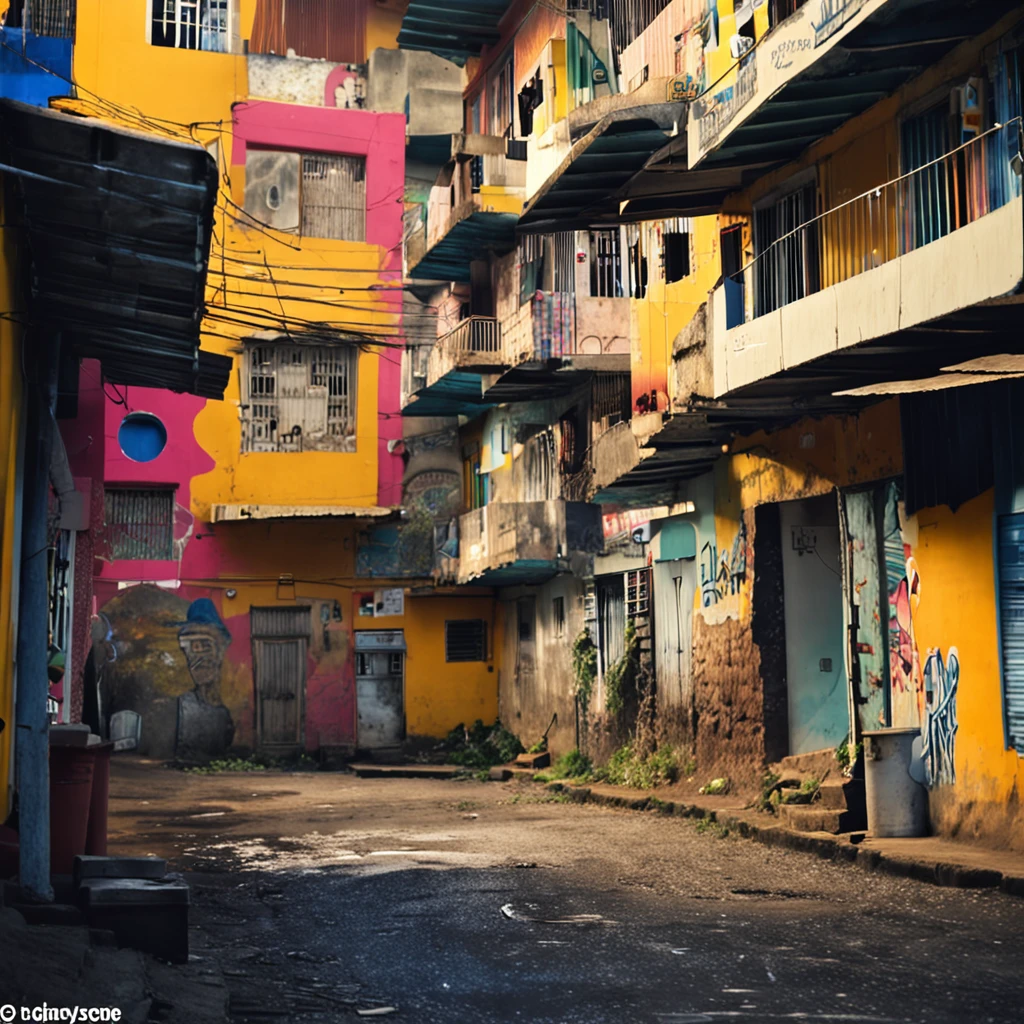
[96, 835]
[897, 803]
[71, 772]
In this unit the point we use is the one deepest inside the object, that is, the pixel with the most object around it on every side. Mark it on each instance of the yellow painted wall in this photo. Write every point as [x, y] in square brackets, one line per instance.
[439, 694]
[10, 421]
[957, 611]
[666, 309]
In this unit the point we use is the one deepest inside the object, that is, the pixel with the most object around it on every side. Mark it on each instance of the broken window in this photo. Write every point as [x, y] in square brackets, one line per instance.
[465, 640]
[299, 398]
[558, 616]
[192, 24]
[675, 243]
[637, 262]
[140, 523]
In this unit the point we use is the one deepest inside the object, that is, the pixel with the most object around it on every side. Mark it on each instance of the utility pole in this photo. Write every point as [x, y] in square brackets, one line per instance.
[32, 741]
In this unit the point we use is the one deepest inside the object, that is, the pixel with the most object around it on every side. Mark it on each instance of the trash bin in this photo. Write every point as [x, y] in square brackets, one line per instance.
[71, 773]
[897, 803]
[96, 835]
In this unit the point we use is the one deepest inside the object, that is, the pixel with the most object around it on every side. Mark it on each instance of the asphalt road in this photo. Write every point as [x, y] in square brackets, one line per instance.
[320, 895]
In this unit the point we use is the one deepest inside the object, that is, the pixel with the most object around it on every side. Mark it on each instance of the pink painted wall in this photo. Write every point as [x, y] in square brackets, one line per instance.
[380, 138]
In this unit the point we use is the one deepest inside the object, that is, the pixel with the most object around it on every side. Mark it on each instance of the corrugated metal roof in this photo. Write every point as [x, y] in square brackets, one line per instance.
[118, 226]
[236, 513]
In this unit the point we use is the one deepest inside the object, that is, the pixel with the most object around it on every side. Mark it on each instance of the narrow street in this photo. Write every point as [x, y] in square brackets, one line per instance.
[320, 894]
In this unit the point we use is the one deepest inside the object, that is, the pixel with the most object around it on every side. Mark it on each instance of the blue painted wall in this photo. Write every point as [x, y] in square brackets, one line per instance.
[21, 77]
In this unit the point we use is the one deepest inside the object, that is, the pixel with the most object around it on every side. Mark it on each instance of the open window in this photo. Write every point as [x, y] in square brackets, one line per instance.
[192, 24]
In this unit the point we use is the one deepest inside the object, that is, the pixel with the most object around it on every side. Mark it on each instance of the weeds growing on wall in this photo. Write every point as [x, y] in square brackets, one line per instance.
[584, 668]
[621, 677]
[481, 745]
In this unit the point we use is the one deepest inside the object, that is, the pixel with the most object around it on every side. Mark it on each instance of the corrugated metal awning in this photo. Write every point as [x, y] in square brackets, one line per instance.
[118, 226]
[240, 513]
[453, 29]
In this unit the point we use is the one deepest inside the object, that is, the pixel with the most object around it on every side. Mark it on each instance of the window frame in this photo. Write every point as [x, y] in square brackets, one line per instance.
[230, 27]
[481, 640]
[111, 527]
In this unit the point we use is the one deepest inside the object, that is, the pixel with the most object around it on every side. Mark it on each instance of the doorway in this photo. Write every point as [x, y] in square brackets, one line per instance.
[813, 609]
[380, 689]
[526, 642]
[675, 587]
[280, 637]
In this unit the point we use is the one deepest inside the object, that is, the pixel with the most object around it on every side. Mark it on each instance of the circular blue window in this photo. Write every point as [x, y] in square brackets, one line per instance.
[142, 436]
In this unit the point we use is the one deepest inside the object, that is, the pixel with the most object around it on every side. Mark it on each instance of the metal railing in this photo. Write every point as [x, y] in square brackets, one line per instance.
[474, 334]
[880, 225]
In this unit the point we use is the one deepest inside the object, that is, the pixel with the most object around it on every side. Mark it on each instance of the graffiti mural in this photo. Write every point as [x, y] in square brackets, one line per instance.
[162, 657]
[205, 728]
[722, 574]
[941, 680]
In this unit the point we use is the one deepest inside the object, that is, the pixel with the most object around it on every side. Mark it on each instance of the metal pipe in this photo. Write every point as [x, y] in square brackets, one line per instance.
[32, 741]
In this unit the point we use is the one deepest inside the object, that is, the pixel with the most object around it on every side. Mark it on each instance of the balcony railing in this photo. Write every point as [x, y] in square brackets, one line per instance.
[880, 225]
[474, 342]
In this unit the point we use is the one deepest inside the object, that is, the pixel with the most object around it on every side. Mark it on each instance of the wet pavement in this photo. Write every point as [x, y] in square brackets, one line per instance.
[324, 897]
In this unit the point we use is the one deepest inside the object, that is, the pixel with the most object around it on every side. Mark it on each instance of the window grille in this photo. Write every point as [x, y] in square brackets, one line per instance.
[465, 640]
[140, 523]
[612, 398]
[334, 197]
[565, 262]
[192, 24]
[605, 264]
[299, 398]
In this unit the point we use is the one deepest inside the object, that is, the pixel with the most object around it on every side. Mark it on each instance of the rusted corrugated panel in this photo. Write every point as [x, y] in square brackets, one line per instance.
[280, 622]
[268, 28]
[542, 25]
[327, 29]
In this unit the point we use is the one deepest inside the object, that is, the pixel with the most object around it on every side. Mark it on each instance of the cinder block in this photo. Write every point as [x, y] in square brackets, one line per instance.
[150, 916]
[118, 867]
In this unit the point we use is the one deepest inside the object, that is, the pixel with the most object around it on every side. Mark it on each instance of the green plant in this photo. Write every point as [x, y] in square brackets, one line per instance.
[626, 767]
[572, 765]
[769, 789]
[810, 785]
[708, 826]
[482, 745]
[621, 677]
[847, 758]
[584, 668]
[716, 787]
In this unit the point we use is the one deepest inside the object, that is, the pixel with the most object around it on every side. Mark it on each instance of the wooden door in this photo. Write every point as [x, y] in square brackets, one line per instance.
[280, 669]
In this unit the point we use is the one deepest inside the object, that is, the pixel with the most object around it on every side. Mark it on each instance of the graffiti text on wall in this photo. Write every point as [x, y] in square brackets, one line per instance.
[722, 573]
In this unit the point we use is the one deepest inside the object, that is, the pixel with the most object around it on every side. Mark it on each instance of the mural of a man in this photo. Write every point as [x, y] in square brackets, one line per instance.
[205, 728]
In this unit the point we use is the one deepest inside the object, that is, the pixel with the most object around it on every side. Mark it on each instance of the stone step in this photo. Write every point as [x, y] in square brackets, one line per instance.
[816, 763]
[812, 818]
[832, 795]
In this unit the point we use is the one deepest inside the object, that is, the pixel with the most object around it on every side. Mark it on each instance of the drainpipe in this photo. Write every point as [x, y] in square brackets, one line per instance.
[32, 747]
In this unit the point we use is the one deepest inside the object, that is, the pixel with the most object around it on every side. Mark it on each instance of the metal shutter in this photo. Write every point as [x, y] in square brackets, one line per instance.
[1011, 619]
[465, 640]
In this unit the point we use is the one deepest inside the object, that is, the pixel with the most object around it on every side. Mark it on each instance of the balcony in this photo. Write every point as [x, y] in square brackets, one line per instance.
[504, 544]
[556, 338]
[455, 365]
[473, 209]
[916, 275]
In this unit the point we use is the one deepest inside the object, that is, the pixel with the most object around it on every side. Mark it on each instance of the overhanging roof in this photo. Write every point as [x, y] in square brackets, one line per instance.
[892, 46]
[453, 29]
[586, 186]
[468, 239]
[242, 513]
[457, 393]
[554, 378]
[118, 225]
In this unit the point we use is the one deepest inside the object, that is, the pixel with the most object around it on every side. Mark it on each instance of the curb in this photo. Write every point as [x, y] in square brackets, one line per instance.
[956, 876]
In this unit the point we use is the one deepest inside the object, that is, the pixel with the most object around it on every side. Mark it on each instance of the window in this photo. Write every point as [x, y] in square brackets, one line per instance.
[531, 96]
[676, 254]
[192, 24]
[558, 616]
[465, 640]
[605, 264]
[140, 523]
[786, 256]
[299, 398]
[637, 262]
[320, 195]
[334, 197]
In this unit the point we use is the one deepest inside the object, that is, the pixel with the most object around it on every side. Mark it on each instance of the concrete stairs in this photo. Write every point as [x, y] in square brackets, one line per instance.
[815, 796]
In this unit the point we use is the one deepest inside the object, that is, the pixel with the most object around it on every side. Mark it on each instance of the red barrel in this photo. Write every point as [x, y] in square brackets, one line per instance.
[96, 836]
[71, 774]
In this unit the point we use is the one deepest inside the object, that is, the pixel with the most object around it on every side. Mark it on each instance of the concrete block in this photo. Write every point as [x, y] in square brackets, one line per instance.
[146, 915]
[118, 867]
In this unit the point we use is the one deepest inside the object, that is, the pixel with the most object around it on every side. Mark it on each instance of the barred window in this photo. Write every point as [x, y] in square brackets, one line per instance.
[465, 640]
[299, 398]
[334, 197]
[140, 523]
